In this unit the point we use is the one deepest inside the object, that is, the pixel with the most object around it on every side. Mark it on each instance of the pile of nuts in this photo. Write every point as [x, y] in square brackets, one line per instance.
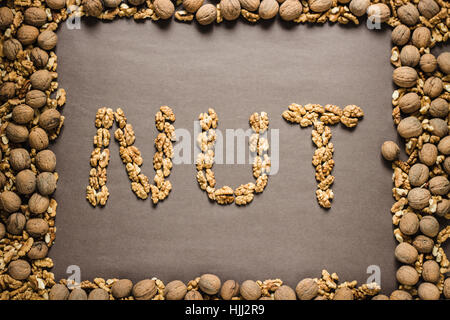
[259, 145]
[321, 118]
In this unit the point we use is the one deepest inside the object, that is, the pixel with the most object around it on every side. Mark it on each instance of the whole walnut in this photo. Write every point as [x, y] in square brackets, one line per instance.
[19, 269]
[404, 77]
[144, 289]
[249, 289]
[7, 90]
[409, 56]
[193, 5]
[175, 290]
[250, 5]
[230, 9]
[39, 57]
[431, 271]
[439, 108]
[406, 253]
[409, 103]
[418, 198]
[418, 174]
[428, 63]
[39, 250]
[209, 284]
[407, 275]
[409, 127]
[92, 7]
[408, 14]
[164, 8]
[444, 145]
[343, 293]
[6, 17]
[98, 294]
[35, 99]
[16, 133]
[38, 139]
[136, 2]
[423, 244]
[193, 295]
[35, 16]
[46, 183]
[27, 34]
[16, 223]
[433, 87]
[400, 35]
[19, 159]
[440, 127]
[2, 230]
[446, 290]
[285, 293]
[10, 201]
[206, 14]
[56, 4]
[50, 119]
[36, 227]
[290, 10]
[78, 294]
[11, 48]
[409, 224]
[58, 292]
[439, 185]
[428, 154]
[380, 297]
[47, 40]
[446, 165]
[38, 204]
[2, 180]
[443, 61]
[400, 295]
[112, 3]
[320, 5]
[428, 8]
[428, 291]
[268, 9]
[230, 289]
[22, 114]
[26, 182]
[421, 37]
[443, 207]
[359, 7]
[41, 80]
[46, 161]
[307, 289]
[390, 150]
[378, 13]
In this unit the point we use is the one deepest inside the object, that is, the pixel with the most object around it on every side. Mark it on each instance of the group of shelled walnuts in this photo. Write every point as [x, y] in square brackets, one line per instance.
[421, 185]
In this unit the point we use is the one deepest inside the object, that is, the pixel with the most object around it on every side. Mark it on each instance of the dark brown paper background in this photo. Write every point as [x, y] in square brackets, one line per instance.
[237, 69]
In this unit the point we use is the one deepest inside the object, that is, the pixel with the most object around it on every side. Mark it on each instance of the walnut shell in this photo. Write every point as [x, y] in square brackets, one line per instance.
[164, 8]
[37, 227]
[39, 250]
[56, 4]
[249, 289]
[230, 289]
[2, 180]
[439, 185]
[136, 2]
[231, 9]
[26, 182]
[390, 150]
[46, 161]
[98, 294]
[423, 244]
[35, 99]
[78, 294]
[380, 297]
[268, 9]
[428, 8]
[409, 127]
[38, 139]
[19, 269]
[409, 224]
[408, 14]
[22, 114]
[400, 295]
[46, 183]
[35, 16]
[439, 108]
[92, 7]
[16, 223]
[285, 293]
[290, 10]
[405, 77]
[378, 13]
[144, 290]
[428, 154]
[418, 174]
[421, 37]
[446, 290]
[10, 201]
[175, 290]
[209, 284]
[359, 7]
[418, 198]
[440, 127]
[38, 204]
[206, 14]
[16, 133]
[41, 80]
[320, 5]
[443, 207]
[50, 119]
[2, 231]
[27, 34]
[400, 35]
[406, 253]
[19, 159]
[6, 17]
[307, 289]
[47, 40]
[444, 145]
[407, 275]
[250, 5]
[7, 91]
[409, 103]
[11, 48]
[428, 63]
[193, 295]
[409, 56]
[343, 293]
[193, 5]
[431, 271]
[433, 87]
[443, 61]
[446, 165]
[428, 291]
[58, 292]
[112, 3]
